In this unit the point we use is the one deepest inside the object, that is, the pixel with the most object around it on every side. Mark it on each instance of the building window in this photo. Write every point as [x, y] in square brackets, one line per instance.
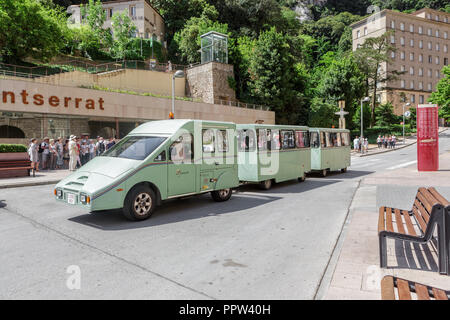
[430, 86]
[402, 83]
[402, 26]
[445, 19]
[438, 74]
[421, 72]
[411, 43]
[411, 28]
[421, 44]
[420, 29]
[402, 55]
[445, 48]
[430, 73]
[358, 34]
[393, 55]
[430, 32]
[430, 45]
[411, 71]
[402, 41]
[411, 56]
[133, 11]
[392, 39]
[445, 34]
[438, 47]
[445, 61]
[403, 68]
[430, 59]
[437, 18]
[411, 84]
[437, 33]
[413, 98]
[420, 57]
[110, 12]
[420, 85]
[393, 24]
[365, 31]
[428, 16]
[421, 99]
[438, 61]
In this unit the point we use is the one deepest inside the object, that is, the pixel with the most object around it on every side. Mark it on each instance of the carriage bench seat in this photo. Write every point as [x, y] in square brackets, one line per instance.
[393, 288]
[429, 211]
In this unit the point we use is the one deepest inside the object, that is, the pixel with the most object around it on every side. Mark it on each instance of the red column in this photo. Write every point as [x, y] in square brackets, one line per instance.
[427, 137]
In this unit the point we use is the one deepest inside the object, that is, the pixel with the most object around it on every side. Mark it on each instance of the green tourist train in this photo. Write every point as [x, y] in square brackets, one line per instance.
[167, 159]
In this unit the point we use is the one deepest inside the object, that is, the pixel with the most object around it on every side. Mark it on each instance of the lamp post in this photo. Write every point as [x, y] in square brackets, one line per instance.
[178, 74]
[366, 99]
[405, 105]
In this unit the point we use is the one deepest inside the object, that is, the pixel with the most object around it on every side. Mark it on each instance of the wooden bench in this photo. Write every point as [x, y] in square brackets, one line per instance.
[430, 210]
[15, 168]
[393, 288]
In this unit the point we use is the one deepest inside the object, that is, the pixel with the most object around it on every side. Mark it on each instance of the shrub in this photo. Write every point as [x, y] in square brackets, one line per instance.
[373, 133]
[6, 148]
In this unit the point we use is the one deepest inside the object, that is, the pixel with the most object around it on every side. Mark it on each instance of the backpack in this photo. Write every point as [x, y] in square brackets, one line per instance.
[101, 147]
[40, 148]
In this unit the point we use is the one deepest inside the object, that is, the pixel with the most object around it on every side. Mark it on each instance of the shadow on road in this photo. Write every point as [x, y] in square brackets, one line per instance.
[2, 203]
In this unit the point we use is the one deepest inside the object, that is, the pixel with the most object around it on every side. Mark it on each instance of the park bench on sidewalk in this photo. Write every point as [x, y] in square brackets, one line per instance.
[393, 288]
[430, 210]
[15, 168]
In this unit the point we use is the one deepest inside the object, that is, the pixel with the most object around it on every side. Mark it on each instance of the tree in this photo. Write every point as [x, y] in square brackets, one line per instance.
[30, 28]
[371, 56]
[123, 29]
[96, 17]
[385, 115]
[442, 94]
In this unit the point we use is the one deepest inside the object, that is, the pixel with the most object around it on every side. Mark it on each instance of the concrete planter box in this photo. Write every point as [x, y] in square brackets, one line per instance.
[13, 157]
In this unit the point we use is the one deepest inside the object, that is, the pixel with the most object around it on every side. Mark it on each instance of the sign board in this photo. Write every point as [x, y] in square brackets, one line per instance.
[427, 137]
[407, 114]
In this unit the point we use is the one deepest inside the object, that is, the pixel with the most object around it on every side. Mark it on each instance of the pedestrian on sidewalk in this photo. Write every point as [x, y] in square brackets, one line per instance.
[366, 145]
[91, 149]
[361, 144]
[59, 154]
[356, 144]
[77, 140]
[34, 154]
[66, 156]
[394, 141]
[385, 142]
[72, 153]
[45, 153]
[52, 154]
[100, 146]
[379, 141]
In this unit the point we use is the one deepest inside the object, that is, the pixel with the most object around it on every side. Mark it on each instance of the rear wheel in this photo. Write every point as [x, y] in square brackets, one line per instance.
[266, 185]
[139, 203]
[221, 195]
[343, 170]
[324, 172]
[302, 178]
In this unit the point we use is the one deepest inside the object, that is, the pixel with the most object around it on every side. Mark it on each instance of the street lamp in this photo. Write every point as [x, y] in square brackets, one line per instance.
[178, 74]
[366, 99]
[405, 105]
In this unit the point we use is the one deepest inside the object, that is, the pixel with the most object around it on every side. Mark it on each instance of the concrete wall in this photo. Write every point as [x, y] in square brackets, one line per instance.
[74, 103]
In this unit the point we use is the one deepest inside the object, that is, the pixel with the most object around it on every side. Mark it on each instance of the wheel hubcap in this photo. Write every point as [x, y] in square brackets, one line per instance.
[223, 193]
[142, 204]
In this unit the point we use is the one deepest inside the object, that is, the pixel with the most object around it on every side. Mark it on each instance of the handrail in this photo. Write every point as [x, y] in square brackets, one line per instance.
[235, 103]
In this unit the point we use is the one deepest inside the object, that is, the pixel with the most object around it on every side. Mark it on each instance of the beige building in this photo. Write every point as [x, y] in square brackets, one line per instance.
[422, 42]
[147, 19]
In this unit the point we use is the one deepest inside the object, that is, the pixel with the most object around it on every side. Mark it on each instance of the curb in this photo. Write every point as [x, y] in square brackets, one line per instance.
[29, 184]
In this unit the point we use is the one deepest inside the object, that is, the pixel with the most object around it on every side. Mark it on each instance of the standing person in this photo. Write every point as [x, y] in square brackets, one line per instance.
[34, 154]
[91, 149]
[379, 141]
[45, 153]
[100, 146]
[59, 154]
[84, 152]
[356, 144]
[110, 143]
[52, 154]
[390, 141]
[385, 142]
[72, 153]
[394, 141]
[361, 144]
[366, 145]
[77, 140]
[66, 156]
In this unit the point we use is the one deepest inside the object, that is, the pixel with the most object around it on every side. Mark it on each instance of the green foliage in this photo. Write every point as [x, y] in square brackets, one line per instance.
[321, 114]
[6, 148]
[442, 94]
[30, 28]
[96, 17]
[123, 29]
[385, 115]
[372, 133]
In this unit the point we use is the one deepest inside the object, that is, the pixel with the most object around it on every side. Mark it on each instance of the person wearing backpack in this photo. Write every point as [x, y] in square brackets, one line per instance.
[100, 146]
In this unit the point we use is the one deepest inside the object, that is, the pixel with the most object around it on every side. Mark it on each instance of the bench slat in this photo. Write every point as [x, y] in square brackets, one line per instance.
[438, 196]
[424, 202]
[403, 290]
[399, 221]
[409, 224]
[389, 226]
[439, 294]
[381, 220]
[387, 288]
[428, 196]
[422, 211]
[419, 219]
[16, 168]
[422, 292]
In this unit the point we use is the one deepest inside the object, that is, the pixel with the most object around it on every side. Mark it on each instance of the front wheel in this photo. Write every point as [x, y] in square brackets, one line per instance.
[324, 172]
[221, 195]
[139, 203]
[266, 184]
[344, 170]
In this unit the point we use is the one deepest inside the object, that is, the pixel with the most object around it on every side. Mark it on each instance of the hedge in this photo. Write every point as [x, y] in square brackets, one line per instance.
[5, 148]
[373, 133]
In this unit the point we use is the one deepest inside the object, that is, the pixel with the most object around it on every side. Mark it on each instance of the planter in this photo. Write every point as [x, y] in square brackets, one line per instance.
[14, 164]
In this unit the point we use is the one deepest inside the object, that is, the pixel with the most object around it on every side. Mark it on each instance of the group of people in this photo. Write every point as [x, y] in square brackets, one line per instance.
[386, 142]
[361, 144]
[71, 153]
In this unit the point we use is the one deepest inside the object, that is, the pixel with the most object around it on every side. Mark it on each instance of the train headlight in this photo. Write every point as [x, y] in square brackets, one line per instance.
[58, 193]
[85, 199]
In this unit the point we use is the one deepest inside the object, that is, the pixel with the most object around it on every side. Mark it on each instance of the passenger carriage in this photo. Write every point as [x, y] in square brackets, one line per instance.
[330, 149]
[272, 153]
[156, 161]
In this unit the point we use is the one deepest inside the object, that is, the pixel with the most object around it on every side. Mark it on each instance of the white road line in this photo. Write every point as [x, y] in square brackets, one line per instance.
[402, 165]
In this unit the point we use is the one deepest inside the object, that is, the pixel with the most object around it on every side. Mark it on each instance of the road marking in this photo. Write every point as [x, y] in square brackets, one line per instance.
[402, 165]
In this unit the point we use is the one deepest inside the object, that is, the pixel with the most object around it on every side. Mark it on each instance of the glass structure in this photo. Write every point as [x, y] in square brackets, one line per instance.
[214, 47]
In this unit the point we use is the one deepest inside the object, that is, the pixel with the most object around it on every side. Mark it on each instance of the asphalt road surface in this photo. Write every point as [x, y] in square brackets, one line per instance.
[272, 244]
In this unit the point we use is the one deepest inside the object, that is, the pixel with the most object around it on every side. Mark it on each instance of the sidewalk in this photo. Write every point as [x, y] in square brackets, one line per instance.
[355, 273]
[42, 177]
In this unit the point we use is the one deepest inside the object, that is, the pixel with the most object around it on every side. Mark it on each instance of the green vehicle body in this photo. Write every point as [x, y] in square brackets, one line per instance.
[330, 156]
[107, 180]
[258, 164]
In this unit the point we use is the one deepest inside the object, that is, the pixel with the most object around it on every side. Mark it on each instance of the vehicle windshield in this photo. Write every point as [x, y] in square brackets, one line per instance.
[134, 147]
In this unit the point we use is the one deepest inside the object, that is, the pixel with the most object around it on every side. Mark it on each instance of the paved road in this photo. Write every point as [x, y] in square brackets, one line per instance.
[259, 245]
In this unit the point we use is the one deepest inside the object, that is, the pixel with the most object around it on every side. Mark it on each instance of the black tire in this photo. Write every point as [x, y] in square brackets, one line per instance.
[266, 184]
[344, 170]
[324, 172]
[221, 195]
[139, 203]
[302, 178]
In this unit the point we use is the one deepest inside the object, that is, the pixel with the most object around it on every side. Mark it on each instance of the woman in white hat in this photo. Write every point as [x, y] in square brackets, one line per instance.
[72, 153]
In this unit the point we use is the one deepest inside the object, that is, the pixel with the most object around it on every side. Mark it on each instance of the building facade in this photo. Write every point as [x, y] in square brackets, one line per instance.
[148, 21]
[422, 42]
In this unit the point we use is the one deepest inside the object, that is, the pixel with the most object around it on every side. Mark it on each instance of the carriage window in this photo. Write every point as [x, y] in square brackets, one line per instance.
[302, 139]
[275, 140]
[134, 147]
[182, 148]
[328, 140]
[288, 139]
[315, 140]
[345, 138]
[222, 141]
[338, 139]
[208, 141]
[323, 140]
[263, 138]
[161, 156]
[246, 140]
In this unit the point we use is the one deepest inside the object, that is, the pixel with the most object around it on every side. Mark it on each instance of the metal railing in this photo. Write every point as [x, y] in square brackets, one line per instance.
[241, 104]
